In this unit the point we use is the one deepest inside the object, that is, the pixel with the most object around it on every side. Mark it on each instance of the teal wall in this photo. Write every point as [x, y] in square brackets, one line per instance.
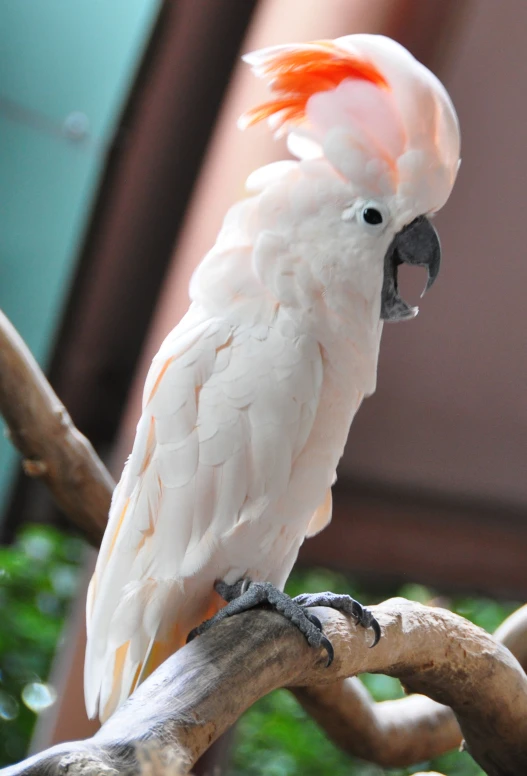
[58, 58]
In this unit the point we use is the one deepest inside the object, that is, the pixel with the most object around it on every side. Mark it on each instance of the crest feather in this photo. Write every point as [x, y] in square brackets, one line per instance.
[295, 73]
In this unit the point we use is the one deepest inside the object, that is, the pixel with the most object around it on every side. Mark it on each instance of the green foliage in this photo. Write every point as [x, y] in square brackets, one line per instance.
[38, 578]
[277, 738]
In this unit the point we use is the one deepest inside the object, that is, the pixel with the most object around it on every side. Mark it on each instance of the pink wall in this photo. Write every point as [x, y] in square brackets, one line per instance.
[450, 412]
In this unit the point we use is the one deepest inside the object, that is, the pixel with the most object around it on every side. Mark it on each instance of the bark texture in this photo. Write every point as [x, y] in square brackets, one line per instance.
[397, 733]
[53, 449]
[202, 689]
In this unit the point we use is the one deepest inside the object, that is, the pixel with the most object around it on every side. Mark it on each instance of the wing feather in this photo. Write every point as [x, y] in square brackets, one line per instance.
[225, 413]
[321, 516]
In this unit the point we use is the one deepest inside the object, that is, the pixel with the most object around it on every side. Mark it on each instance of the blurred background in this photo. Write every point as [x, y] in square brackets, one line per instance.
[119, 156]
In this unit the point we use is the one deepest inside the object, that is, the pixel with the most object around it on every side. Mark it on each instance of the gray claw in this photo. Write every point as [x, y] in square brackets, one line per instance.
[367, 620]
[346, 604]
[376, 628]
[328, 646]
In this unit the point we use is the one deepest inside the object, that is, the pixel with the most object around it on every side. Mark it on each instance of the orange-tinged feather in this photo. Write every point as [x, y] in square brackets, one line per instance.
[295, 75]
[147, 532]
[136, 677]
[120, 657]
[321, 515]
[150, 445]
[215, 604]
[226, 344]
[177, 638]
[161, 650]
[119, 524]
[160, 377]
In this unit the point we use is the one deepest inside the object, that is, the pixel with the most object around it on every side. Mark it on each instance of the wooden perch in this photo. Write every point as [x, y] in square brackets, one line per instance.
[201, 690]
[397, 733]
[53, 449]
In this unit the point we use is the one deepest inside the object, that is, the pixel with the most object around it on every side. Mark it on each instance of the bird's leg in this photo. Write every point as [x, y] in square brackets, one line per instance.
[244, 595]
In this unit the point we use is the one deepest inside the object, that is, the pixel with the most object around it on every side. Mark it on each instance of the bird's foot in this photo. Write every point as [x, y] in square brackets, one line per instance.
[345, 604]
[244, 595]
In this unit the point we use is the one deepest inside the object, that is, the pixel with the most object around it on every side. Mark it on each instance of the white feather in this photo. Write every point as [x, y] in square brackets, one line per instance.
[198, 467]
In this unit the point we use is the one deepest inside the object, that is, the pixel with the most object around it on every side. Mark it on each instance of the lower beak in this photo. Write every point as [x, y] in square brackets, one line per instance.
[416, 244]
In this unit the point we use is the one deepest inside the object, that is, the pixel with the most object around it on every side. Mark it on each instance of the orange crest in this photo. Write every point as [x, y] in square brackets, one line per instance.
[295, 74]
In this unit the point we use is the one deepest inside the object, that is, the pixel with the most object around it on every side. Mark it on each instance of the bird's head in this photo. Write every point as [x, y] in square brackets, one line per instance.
[386, 125]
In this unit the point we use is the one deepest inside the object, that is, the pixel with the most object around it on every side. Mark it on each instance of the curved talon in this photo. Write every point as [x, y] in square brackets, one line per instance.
[328, 646]
[367, 620]
[376, 628]
[246, 583]
[192, 635]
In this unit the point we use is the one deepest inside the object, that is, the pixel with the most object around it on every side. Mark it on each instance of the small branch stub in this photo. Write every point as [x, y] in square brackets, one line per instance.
[34, 468]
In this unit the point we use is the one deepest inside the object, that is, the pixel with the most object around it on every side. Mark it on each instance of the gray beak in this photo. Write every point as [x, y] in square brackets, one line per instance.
[418, 244]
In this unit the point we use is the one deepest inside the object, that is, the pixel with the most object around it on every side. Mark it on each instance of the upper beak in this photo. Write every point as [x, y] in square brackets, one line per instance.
[417, 243]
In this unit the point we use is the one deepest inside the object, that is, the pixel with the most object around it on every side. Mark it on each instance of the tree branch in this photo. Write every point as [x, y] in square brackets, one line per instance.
[53, 448]
[401, 732]
[513, 633]
[391, 734]
[202, 689]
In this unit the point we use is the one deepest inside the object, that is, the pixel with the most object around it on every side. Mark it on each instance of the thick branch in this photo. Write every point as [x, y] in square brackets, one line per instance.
[201, 690]
[53, 448]
[513, 633]
[391, 734]
[397, 733]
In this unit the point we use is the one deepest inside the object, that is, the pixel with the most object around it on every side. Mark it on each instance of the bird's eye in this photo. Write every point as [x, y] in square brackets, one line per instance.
[372, 216]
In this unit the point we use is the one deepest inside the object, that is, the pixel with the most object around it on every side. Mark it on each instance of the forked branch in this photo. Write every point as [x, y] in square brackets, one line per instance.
[201, 690]
[397, 733]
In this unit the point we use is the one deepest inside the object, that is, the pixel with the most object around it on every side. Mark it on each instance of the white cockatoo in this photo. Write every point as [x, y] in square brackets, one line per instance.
[248, 403]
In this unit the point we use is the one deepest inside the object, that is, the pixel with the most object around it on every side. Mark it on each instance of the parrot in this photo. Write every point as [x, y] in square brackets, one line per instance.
[248, 404]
